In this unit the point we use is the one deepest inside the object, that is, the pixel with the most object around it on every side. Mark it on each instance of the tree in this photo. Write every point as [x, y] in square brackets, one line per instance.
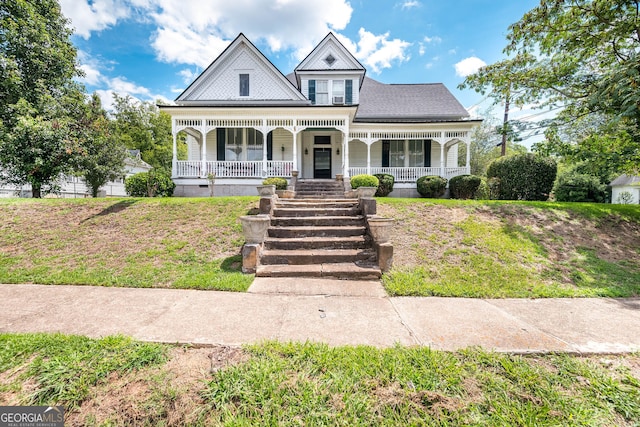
[102, 156]
[583, 55]
[37, 67]
[142, 126]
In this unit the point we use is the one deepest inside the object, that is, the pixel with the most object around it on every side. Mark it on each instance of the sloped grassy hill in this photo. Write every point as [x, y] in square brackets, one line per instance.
[442, 247]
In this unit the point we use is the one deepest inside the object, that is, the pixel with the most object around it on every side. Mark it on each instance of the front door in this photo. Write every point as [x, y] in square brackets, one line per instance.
[322, 163]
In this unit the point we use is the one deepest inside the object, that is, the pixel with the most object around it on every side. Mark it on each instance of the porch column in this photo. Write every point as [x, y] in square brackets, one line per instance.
[345, 151]
[264, 149]
[443, 161]
[368, 157]
[295, 150]
[203, 155]
[174, 159]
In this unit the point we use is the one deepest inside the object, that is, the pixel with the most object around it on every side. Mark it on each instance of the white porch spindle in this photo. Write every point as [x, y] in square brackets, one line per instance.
[203, 156]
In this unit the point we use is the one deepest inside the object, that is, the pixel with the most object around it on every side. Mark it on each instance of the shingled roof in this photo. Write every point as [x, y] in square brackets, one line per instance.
[626, 180]
[407, 103]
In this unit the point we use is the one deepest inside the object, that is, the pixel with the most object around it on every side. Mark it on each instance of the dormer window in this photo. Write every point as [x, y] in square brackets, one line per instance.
[244, 84]
[330, 60]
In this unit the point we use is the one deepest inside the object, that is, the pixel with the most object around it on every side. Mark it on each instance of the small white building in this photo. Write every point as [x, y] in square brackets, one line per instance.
[244, 120]
[625, 189]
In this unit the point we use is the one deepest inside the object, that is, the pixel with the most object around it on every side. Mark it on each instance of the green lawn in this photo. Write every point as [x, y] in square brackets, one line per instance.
[441, 247]
[513, 249]
[117, 381]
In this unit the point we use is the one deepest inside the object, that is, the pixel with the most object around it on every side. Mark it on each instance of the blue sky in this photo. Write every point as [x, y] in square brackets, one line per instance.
[153, 49]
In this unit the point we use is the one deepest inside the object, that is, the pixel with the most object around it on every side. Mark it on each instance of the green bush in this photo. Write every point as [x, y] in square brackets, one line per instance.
[572, 186]
[280, 183]
[483, 192]
[431, 186]
[386, 182]
[524, 176]
[149, 184]
[464, 186]
[364, 180]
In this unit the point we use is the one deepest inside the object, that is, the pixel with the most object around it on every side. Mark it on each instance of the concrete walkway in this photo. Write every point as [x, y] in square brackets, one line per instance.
[334, 312]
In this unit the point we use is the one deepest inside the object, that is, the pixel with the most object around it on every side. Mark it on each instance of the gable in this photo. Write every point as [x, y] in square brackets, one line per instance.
[241, 75]
[330, 55]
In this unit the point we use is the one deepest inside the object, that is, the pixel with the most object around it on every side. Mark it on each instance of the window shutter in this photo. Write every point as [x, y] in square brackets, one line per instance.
[427, 153]
[269, 145]
[386, 146]
[348, 92]
[221, 139]
[312, 91]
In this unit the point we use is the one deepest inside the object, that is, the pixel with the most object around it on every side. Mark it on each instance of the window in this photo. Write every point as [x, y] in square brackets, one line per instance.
[322, 92]
[416, 153]
[338, 92]
[244, 84]
[396, 154]
[254, 145]
[243, 145]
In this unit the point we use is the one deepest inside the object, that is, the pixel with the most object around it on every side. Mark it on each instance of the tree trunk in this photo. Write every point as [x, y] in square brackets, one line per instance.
[36, 191]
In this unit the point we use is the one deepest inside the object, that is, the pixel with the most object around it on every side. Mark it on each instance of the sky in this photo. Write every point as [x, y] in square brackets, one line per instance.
[153, 49]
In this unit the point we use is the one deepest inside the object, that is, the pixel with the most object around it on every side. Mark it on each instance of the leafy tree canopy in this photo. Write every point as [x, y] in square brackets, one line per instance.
[38, 97]
[583, 55]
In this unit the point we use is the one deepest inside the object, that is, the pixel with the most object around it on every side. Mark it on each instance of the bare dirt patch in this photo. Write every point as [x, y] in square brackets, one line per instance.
[169, 394]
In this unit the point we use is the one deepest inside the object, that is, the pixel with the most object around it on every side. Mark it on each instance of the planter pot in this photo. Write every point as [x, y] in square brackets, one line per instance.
[255, 228]
[366, 192]
[380, 228]
[266, 190]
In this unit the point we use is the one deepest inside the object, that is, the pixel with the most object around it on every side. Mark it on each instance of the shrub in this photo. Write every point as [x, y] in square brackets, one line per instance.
[578, 187]
[464, 186]
[483, 192]
[280, 183]
[524, 176]
[431, 186]
[364, 180]
[149, 184]
[385, 186]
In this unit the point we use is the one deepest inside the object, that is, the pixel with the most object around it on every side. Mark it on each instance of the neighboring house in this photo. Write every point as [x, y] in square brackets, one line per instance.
[625, 189]
[73, 186]
[244, 120]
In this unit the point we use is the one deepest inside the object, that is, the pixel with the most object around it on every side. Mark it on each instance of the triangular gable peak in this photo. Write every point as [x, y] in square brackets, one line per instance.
[330, 56]
[241, 75]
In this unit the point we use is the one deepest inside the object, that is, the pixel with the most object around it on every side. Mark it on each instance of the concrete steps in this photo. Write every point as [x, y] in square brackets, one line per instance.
[319, 189]
[318, 238]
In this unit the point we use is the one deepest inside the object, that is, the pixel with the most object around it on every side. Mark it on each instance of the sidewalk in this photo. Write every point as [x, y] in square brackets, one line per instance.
[336, 312]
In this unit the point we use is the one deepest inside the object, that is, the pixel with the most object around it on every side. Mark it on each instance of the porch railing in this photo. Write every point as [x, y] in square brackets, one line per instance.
[410, 174]
[232, 169]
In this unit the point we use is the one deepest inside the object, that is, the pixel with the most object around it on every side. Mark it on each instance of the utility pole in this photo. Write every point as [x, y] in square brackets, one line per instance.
[505, 124]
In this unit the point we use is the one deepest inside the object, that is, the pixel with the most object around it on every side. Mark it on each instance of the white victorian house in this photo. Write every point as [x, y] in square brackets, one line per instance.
[244, 121]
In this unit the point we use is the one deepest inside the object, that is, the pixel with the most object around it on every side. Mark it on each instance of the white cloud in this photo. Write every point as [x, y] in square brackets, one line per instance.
[92, 76]
[421, 49]
[469, 66]
[432, 40]
[410, 4]
[377, 51]
[188, 75]
[196, 32]
[87, 16]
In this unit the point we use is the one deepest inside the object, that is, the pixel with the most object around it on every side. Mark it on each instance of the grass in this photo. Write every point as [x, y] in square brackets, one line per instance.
[116, 381]
[65, 368]
[171, 242]
[497, 249]
[492, 249]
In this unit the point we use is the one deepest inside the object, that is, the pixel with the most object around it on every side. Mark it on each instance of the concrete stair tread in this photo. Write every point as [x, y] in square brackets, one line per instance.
[336, 270]
[317, 252]
[317, 239]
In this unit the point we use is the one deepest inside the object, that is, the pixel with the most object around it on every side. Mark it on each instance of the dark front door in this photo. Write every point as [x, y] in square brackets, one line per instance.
[322, 163]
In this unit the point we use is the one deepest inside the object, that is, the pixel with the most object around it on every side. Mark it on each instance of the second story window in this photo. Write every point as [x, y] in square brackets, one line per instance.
[322, 92]
[338, 92]
[244, 84]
